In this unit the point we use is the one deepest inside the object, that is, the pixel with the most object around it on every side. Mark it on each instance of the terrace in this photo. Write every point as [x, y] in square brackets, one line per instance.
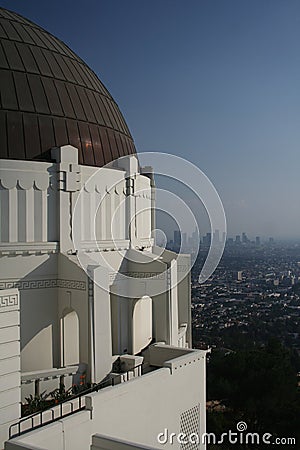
[160, 367]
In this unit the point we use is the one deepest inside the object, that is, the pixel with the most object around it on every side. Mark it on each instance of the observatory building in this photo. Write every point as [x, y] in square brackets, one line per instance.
[88, 303]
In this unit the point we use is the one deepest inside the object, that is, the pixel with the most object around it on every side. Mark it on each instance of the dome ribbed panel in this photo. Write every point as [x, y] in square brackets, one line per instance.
[49, 98]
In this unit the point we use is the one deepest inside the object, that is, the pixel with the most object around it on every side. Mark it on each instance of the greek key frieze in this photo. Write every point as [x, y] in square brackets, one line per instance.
[8, 300]
[43, 284]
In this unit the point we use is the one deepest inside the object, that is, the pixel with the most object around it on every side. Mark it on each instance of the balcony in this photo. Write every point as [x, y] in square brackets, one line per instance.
[46, 380]
[165, 372]
[130, 367]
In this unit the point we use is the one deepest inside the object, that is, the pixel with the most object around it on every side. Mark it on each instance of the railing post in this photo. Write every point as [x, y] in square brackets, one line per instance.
[37, 387]
[61, 381]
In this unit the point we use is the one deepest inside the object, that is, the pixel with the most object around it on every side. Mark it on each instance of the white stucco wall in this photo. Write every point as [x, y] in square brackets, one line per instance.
[10, 377]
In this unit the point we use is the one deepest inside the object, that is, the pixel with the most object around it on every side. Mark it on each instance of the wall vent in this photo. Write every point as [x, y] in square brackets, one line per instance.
[190, 426]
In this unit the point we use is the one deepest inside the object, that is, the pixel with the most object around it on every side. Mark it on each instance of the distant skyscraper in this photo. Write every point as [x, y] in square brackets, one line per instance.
[207, 239]
[244, 238]
[240, 275]
[257, 240]
[195, 238]
[177, 238]
[238, 239]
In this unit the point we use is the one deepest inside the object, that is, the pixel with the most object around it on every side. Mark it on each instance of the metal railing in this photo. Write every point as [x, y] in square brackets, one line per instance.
[37, 377]
[76, 403]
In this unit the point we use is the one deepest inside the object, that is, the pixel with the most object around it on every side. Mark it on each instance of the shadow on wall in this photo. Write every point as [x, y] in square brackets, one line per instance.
[48, 322]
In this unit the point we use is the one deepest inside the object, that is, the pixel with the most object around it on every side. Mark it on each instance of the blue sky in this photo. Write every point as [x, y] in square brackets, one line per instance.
[216, 82]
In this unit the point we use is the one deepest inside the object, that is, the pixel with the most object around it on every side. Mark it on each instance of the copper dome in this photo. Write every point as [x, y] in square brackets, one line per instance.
[50, 97]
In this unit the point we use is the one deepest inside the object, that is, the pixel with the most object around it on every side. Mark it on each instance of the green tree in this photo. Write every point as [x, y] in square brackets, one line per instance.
[258, 385]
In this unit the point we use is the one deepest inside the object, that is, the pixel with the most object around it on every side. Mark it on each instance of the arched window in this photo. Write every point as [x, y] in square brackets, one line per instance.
[141, 324]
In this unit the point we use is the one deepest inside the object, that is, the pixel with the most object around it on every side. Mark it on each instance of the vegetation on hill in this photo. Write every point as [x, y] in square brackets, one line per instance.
[257, 385]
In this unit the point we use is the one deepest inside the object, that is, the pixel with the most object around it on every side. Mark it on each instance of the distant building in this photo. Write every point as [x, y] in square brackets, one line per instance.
[207, 239]
[244, 238]
[240, 275]
[257, 241]
[238, 239]
[177, 238]
[195, 236]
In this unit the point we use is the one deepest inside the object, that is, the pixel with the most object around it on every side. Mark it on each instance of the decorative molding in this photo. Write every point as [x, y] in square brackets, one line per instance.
[69, 177]
[43, 284]
[115, 276]
[90, 289]
[122, 276]
[9, 300]
[105, 245]
[24, 180]
[72, 284]
[154, 275]
[28, 248]
[99, 186]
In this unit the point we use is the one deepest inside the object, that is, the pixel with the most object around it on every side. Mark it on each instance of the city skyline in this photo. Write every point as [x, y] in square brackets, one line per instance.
[218, 84]
[184, 238]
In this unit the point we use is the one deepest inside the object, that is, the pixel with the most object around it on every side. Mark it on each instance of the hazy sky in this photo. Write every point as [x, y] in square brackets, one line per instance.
[214, 81]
